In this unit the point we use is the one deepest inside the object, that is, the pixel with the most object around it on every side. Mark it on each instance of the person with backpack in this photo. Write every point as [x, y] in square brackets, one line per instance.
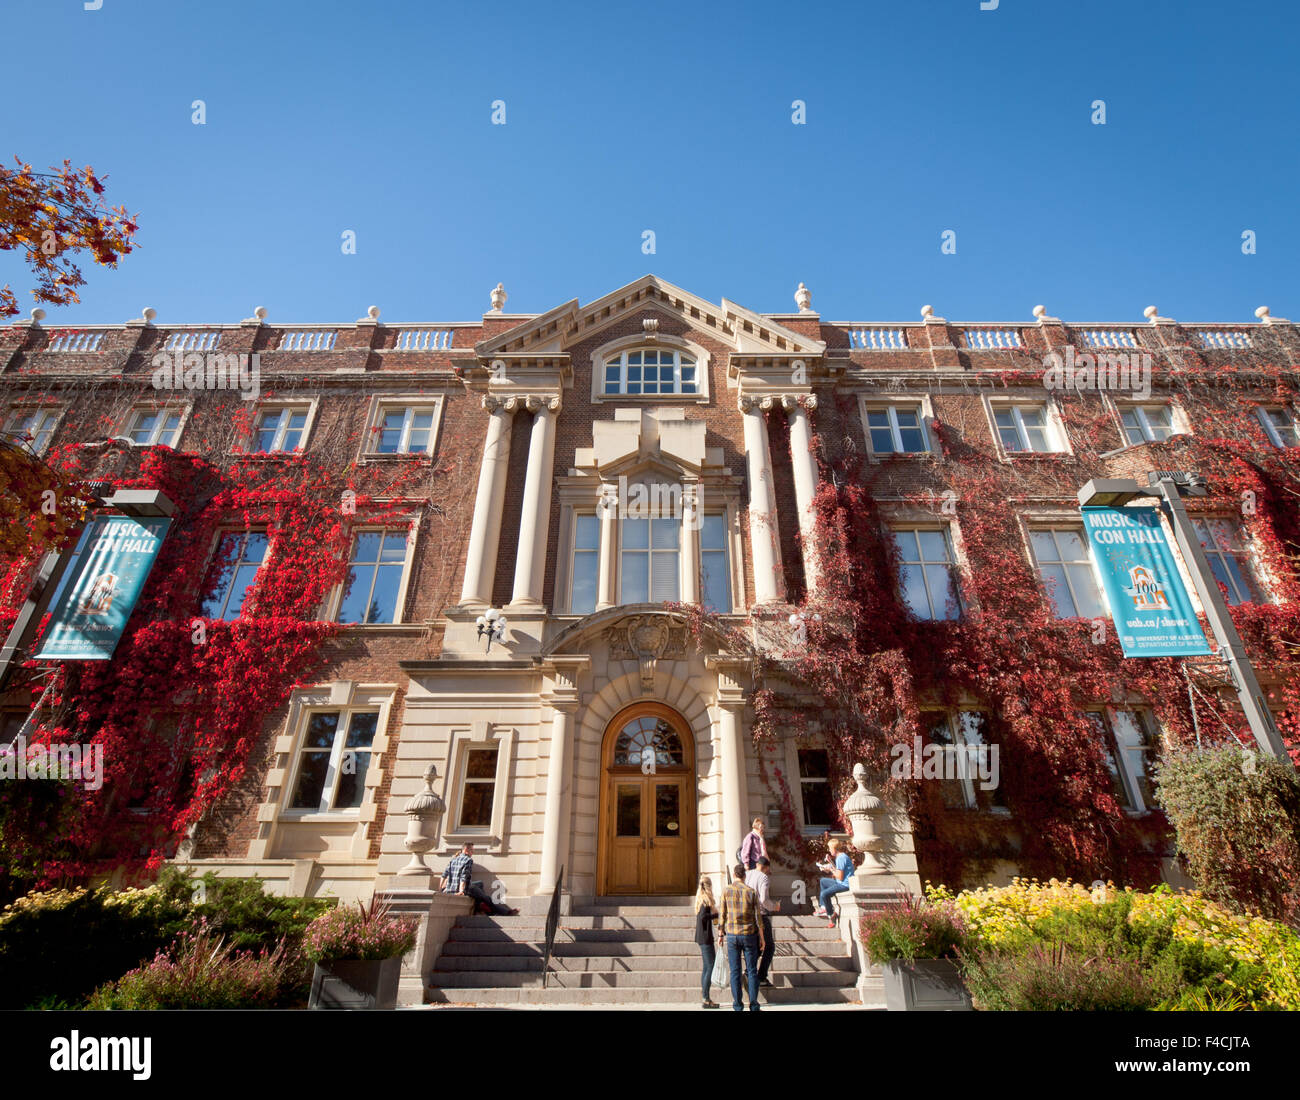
[753, 847]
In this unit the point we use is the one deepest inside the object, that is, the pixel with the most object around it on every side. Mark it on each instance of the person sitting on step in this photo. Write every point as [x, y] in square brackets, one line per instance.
[455, 880]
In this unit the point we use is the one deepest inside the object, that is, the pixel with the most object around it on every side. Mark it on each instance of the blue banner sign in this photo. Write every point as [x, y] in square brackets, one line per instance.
[1149, 605]
[107, 577]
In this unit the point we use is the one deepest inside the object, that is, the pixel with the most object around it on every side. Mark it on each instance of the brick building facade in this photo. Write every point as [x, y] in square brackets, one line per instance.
[541, 435]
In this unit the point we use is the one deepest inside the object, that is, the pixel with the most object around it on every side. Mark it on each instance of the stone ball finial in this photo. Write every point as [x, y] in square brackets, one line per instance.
[1040, 311]
[373, 313]
[1262, 313]
[499, 297]
[148, 313]
[803, 299]
[38, 315]
[1151, 313]
[927, 311]
[260, 313]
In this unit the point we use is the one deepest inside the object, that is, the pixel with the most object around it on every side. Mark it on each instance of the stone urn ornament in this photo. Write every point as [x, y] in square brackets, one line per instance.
[424, 816]
[864, 811]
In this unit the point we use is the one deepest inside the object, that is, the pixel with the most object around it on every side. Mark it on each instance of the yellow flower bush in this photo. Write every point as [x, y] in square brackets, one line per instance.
[1004, 918]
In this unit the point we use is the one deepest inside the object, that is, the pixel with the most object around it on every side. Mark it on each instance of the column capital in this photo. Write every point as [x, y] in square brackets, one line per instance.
[543, 403]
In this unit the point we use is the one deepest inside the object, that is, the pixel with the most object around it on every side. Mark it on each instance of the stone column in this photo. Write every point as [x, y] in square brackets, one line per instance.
[691, 523]
[730, 701]
[554, 835]
[535, 515]
[485, 532]
[763, 542]
[805, 480]
[607, 510]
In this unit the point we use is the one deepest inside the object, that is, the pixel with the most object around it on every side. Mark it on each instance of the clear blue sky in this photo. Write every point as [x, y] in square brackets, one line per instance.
[921, 117]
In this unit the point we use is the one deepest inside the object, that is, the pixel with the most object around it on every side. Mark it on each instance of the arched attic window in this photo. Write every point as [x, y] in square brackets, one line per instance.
[641, 371]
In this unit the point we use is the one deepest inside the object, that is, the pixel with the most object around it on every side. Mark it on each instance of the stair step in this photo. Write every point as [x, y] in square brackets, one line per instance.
[605, 979]
[622, 949]
[803, 964]
[683, 998]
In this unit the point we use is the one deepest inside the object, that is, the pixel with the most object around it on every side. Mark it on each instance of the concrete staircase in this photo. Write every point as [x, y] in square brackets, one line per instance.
[629, 950]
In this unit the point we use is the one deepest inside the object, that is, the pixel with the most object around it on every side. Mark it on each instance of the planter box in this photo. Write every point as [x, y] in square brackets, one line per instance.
[354, 983]
[926, 985]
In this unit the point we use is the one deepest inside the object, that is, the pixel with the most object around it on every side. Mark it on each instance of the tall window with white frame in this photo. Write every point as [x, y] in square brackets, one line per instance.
[649, 568]
[1024, 428]
[333, 760]
[586, 564]
[280, 430]
[968, 777]
[1146, 423]
[404, 430]
[819, 812]
[239, 557]
[651, 371]
[374, 578]
[32, 429]
[1065, 567]
[897, 429]
[478, 790]
[715, 563]
[927, 572]
[1280, 426]
[1229, 559]
[1129, 736]
[154, 427]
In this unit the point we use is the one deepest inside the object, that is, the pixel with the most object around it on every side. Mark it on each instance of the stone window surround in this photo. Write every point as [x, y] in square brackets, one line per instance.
[147, 406]
[1055, 424]
[311, 405]
[334, 598]
[641, 340]
[385, 402]
[482, 734]
[20, 408]
[583, 496]
[873, 401]
[1117, 405]
[342, 695]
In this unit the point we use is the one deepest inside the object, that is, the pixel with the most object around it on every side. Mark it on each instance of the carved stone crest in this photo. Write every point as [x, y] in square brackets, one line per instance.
[646, 639]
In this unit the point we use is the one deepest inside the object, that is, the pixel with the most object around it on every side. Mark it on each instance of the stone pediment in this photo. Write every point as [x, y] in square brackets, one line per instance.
[641, 438]
[556, 331]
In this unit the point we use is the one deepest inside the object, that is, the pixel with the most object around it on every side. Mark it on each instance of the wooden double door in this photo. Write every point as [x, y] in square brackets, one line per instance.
[647, 838]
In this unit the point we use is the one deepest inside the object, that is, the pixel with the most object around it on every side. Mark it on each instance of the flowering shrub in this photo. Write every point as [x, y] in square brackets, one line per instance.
[1238, 823]
[913, 930]
[1183, 942]
[202, 971]
[360, 933]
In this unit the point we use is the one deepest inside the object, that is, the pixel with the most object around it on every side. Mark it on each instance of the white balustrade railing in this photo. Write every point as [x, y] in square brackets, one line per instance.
[308, 340]
[990, 339]
[76, 341]
[424, 339]
[1224, 338]
[193, 341]
[878, 338]
[1109, 338]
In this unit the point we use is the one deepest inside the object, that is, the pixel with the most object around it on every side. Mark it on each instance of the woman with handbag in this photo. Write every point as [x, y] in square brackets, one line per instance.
[706, 912]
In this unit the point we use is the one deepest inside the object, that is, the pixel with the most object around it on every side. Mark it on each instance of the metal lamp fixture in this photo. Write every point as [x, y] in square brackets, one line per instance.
[492, 625]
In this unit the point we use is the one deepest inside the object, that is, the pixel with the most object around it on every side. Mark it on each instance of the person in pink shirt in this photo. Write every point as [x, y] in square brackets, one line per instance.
[753, 847]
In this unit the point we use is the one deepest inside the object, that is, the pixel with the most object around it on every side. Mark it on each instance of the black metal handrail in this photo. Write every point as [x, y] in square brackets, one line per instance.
[552, 925]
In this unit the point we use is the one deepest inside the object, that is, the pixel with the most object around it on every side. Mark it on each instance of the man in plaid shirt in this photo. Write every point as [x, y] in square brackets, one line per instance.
[741, 930]
[455, 880]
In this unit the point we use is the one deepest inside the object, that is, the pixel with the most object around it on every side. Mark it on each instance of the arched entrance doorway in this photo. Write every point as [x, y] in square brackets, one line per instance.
[647, 812]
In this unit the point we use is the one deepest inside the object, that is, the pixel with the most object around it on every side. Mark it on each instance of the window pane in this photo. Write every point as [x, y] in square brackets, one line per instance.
[1044, 546]
[361, 730]
[365, 546]
[394, 546]
[1058, 590]
[481, 764]
[586, 564]
[627, 810]
[1071, 545]
[636, 534]
[383, 602]
[943, 593]
[1087, 597]
[713, 532]
[914, 594]
[636, 577]
[587, 534]
[668, 820]
[1134, 740]
[908, 547]
[715, 587]
[312, 769]
[882, 441]
[934, 546]
[913, 440]
[390, 435]
[476, 805]
[666, 576]
[239, 590]
[664, 534]
[356, 594]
